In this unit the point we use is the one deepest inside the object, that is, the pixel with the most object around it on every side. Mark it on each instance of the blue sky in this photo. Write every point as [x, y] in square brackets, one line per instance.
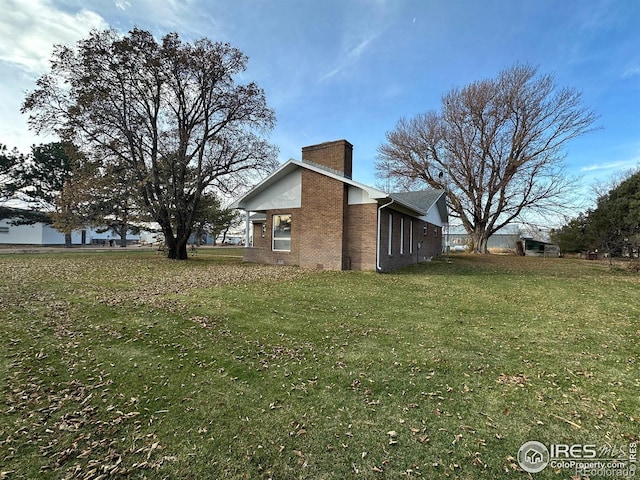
[350, 69]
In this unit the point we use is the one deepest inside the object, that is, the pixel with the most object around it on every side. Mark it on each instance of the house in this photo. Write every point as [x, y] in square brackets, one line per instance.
[504, 240]
[38, 233]
[312, 214]
[519, 239]
[13, 232]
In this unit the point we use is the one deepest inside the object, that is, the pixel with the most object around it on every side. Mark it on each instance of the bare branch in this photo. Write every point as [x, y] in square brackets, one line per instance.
[169, 111]
[499, 143]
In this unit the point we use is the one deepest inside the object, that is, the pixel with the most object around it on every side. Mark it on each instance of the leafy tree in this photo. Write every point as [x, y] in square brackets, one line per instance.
[495, 146]
[114, 202]
[574, 237]
[228, 219]
[10, 160]
[615, 222]
[169, 112]
[612, 227]
[212, 218]
[43, 177]
[54, 181]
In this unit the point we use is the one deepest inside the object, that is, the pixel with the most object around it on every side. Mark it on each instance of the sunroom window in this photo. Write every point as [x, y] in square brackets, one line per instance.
[281, 233]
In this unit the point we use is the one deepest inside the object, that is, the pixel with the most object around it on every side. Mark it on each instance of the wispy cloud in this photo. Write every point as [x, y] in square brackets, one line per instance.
[619, 165]
[123, 4]
[632, 71]
[349, 57]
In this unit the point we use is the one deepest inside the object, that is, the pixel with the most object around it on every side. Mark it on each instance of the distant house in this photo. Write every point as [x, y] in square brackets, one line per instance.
[504, 239]
[312, 214]
[39, 233]
[511, 238]
[43, 234]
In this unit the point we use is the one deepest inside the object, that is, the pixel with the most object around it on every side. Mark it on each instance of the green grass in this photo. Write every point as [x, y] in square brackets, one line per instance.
[125, 363]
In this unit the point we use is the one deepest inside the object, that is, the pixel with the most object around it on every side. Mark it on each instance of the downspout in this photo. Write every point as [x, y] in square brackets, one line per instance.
[378, 267]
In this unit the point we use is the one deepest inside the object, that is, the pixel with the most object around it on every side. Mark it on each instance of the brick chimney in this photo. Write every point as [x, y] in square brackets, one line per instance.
[336, 156]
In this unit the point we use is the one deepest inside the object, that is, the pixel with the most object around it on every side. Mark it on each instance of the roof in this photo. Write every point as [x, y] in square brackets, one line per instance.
[419, 202]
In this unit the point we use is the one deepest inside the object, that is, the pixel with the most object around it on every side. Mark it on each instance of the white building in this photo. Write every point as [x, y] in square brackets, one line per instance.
[43, 234]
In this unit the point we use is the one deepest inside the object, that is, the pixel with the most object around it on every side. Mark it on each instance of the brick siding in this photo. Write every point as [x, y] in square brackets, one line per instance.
[327, 233]
[337, 156]
[361, 226]
[321, 227]
[426, 242]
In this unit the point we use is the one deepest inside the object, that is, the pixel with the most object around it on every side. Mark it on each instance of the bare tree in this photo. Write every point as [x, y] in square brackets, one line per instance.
[169, 112]
[496, 146]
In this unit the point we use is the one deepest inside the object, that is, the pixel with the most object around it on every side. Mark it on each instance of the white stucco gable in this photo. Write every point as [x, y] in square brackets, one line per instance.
[283, 189]
[358, 196]
[433, 216]
[285, 192]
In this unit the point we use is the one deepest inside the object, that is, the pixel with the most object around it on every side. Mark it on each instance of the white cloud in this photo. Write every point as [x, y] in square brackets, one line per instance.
[123, 4]
[363, 24]
[632, 71]
[30, 29]
[619, 165]
[350, 56]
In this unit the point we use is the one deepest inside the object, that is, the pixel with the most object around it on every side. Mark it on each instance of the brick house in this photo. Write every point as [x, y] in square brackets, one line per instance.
[312, 214]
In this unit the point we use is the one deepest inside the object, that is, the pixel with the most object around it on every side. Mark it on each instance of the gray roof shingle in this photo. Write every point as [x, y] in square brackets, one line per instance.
[420, 200]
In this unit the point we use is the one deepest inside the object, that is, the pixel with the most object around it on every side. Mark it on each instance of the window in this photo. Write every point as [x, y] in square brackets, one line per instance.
[389, 251]
[4, 229]
[401, 235]
[410, 237]
[281, 233]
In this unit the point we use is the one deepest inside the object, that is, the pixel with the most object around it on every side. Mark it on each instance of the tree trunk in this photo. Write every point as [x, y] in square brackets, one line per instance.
[177, 249]
[181, 249]
[123, 235]
[170, 245]
[169, 240]
[67, 240]
[480, 239]
[176, 245]
[182, 240]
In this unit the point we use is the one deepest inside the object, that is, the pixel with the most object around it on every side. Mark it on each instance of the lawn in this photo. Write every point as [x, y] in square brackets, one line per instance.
[125, 364]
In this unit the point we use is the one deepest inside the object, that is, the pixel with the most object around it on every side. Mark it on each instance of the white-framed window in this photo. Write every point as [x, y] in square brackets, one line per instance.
[4, 229]
[281, 233]
[401, 235]
[389, 249]
[410, 237]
